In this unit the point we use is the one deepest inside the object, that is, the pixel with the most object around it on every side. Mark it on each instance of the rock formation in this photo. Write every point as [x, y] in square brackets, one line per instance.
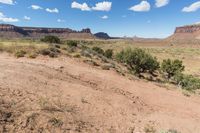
[11, 31]
[189, 32]
[102, 35]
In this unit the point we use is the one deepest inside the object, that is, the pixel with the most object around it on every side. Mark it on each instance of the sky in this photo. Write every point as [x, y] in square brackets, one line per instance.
[142, 18]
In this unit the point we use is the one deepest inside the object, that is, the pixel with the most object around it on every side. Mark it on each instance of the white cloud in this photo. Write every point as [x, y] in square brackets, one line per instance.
[6, 19]
[55, 10]
[82, 7]
[27, 18]
[104, 17]
[60, 20]
[36, 7]
[192, 8]
[10, 2]
[103, 6]
[144, 6]
[161, 3]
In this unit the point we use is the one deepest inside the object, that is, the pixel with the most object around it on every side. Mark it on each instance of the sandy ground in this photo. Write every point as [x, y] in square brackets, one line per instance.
[65, 95]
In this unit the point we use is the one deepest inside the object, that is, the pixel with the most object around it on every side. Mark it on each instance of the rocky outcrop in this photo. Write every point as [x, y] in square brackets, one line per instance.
[189, 32]
[188, 29]
[11, 31]
[102, 35]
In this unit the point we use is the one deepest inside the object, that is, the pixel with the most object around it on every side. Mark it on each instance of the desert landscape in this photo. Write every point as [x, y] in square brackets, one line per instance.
[70, 86]
[59, 77]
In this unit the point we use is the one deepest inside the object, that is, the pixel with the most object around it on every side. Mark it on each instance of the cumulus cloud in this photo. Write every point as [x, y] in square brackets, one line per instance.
[103, 6]
[161, 3]
[82, 7]
[6, 19]
[27, 18]
[192, 8]
[55, 10]
[143, 6]
[10, 2]
[36, 7]
[104, 17]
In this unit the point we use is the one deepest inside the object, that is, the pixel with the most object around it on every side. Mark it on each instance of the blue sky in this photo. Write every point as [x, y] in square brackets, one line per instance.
[144, 18]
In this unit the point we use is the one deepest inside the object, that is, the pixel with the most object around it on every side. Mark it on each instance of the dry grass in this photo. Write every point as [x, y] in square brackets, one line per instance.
[14, 46]
[188, 53]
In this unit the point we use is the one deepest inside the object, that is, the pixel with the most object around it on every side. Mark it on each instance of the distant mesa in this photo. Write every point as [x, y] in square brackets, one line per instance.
[188, 32]
[102, 35]
[11, 31]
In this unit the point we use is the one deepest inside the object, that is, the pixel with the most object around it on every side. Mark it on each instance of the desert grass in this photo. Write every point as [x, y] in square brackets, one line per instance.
[188, 53]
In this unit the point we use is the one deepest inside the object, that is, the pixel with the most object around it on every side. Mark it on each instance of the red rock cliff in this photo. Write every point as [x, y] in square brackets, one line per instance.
[7, 30]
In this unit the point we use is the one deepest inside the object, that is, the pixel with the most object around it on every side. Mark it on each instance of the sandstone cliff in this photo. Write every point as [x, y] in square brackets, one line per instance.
[189, 32]
[11, 31]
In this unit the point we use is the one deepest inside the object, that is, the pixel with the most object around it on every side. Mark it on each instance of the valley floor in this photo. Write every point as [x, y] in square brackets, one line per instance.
[67, 95]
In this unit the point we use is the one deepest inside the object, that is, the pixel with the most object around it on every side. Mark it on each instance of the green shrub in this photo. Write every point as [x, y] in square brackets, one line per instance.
[53, 55]
[86, 53]
[32, 55]
[172, 67]
[57, 46]
[51, 39]
[55, 50]
[77, 56]
[98, 50]
[187, 82]
[20, 53]
[108, 53]
[138, 60]
[45, 52]
[51, 52]
[72, 43]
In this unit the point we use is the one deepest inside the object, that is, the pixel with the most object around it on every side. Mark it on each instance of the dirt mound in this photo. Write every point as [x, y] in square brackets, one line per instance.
[67, 95]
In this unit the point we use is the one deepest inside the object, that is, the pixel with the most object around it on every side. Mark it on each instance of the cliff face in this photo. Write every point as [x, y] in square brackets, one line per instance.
[188, 29]
[190, 32]
[11, 31]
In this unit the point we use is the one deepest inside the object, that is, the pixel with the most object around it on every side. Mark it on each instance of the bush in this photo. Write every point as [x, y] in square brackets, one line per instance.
[51, 52]
[187, 82]
[55, 50]
[51, 39]
[172, 67]
[77, 56]
[108, 53]
[57, 46]
[72, 43]
[98, 50]
[138, 60]
[32, 55]
[45, 52]
[20, 53]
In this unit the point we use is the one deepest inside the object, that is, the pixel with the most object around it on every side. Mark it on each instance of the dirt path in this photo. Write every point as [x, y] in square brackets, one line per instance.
[66, 95]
